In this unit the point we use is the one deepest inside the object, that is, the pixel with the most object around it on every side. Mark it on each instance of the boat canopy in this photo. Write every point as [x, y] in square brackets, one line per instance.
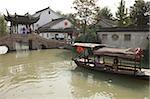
[89, 45]
[121, 53]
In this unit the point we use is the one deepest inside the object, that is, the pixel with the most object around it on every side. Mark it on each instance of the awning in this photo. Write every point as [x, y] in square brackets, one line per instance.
[89, 45]
[117, 52]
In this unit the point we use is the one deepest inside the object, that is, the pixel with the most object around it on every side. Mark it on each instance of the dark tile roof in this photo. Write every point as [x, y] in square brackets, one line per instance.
[66, 30]
[22, 19]
[104, 22]
[52, 23]
[124, 29]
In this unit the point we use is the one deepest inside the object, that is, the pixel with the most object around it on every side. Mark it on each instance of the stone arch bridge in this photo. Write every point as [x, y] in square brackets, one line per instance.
[33, 40]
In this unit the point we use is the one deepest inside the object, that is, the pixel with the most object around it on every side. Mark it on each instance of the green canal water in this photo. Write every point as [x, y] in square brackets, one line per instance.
[50, 74]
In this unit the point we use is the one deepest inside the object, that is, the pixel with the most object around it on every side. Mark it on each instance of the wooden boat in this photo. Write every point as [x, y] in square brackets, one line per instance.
[112, 60]
[3, 50]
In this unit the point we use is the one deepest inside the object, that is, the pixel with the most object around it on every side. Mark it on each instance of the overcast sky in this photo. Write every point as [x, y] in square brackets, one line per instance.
[31, 6]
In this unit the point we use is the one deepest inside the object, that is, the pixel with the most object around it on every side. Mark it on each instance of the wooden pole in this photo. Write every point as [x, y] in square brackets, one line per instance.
[135, 68]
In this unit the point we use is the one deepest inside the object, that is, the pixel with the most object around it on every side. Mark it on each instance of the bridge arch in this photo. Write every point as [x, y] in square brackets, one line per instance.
[42, 46]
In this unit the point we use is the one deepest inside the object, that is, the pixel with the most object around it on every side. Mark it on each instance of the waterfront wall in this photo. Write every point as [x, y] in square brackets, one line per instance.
[125, 39]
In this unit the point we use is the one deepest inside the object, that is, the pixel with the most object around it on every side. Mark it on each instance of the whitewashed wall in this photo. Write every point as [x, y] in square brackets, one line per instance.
[61, 25]
[138, 39]
[45, 17]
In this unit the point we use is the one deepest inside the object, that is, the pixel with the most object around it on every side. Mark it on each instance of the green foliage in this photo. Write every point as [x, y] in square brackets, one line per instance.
[3, 26]
[88, 38]
[121, 15]
[85, 12]
[137, 13]
[85, 8]
[104, 12]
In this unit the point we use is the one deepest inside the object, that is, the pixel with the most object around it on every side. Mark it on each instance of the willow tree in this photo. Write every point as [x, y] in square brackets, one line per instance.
[121, 14]
[85, 12]
[3, 26]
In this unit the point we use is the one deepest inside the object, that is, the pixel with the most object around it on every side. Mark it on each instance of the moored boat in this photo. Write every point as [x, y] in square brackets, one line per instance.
[3, 49]
[112, 60]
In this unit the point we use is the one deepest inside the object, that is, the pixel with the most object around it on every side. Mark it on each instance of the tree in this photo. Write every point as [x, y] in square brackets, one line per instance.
[60, 13]
[73, 20]
[137, 13]
[85, 12]
[121, 14]
[104, 12]
[3, 26]
[147, 5]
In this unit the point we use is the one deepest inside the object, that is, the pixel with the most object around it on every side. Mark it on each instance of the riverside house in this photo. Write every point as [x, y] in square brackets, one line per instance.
[124, 37]
[51, 25]
[58, 29]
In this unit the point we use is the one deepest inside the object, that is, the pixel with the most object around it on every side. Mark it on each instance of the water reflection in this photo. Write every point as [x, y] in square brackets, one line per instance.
[22, 53]
[87, 83]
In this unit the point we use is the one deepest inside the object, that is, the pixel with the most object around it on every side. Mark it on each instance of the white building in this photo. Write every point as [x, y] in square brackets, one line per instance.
[58, 29]
[51, 25]
[46, 15]
[124, 37]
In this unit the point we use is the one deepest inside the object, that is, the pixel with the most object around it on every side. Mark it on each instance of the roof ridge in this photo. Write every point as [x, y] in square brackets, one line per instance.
[52, 23]
[42, 10]
[46, 9]
[58, 18]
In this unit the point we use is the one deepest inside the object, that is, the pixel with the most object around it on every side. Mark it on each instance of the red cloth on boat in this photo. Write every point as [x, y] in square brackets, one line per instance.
[80, 49]
[139, 53]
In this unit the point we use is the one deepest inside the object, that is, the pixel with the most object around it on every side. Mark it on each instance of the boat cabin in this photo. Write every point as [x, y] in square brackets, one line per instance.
[120, 59]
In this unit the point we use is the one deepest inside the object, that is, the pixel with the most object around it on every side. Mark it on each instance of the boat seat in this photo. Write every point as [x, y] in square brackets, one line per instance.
[126, 68]
[91, 65]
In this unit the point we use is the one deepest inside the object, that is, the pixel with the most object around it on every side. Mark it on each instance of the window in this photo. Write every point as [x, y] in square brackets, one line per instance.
[49, 12]
[115, 37]
[104, 36]
[127, 37]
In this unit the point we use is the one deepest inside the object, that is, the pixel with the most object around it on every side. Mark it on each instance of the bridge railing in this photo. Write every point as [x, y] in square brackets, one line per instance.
[34, 37]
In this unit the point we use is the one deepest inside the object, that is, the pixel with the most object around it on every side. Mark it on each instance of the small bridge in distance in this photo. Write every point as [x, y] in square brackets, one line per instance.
[33, 40]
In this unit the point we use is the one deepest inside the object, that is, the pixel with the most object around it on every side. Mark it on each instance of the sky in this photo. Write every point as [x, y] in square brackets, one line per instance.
[65, 6]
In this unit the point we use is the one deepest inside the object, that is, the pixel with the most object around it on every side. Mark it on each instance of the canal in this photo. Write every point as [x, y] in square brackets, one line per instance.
[50, 74]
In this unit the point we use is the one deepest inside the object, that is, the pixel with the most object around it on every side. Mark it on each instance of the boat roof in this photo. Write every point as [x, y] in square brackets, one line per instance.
[116, 52]
[90, 45]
